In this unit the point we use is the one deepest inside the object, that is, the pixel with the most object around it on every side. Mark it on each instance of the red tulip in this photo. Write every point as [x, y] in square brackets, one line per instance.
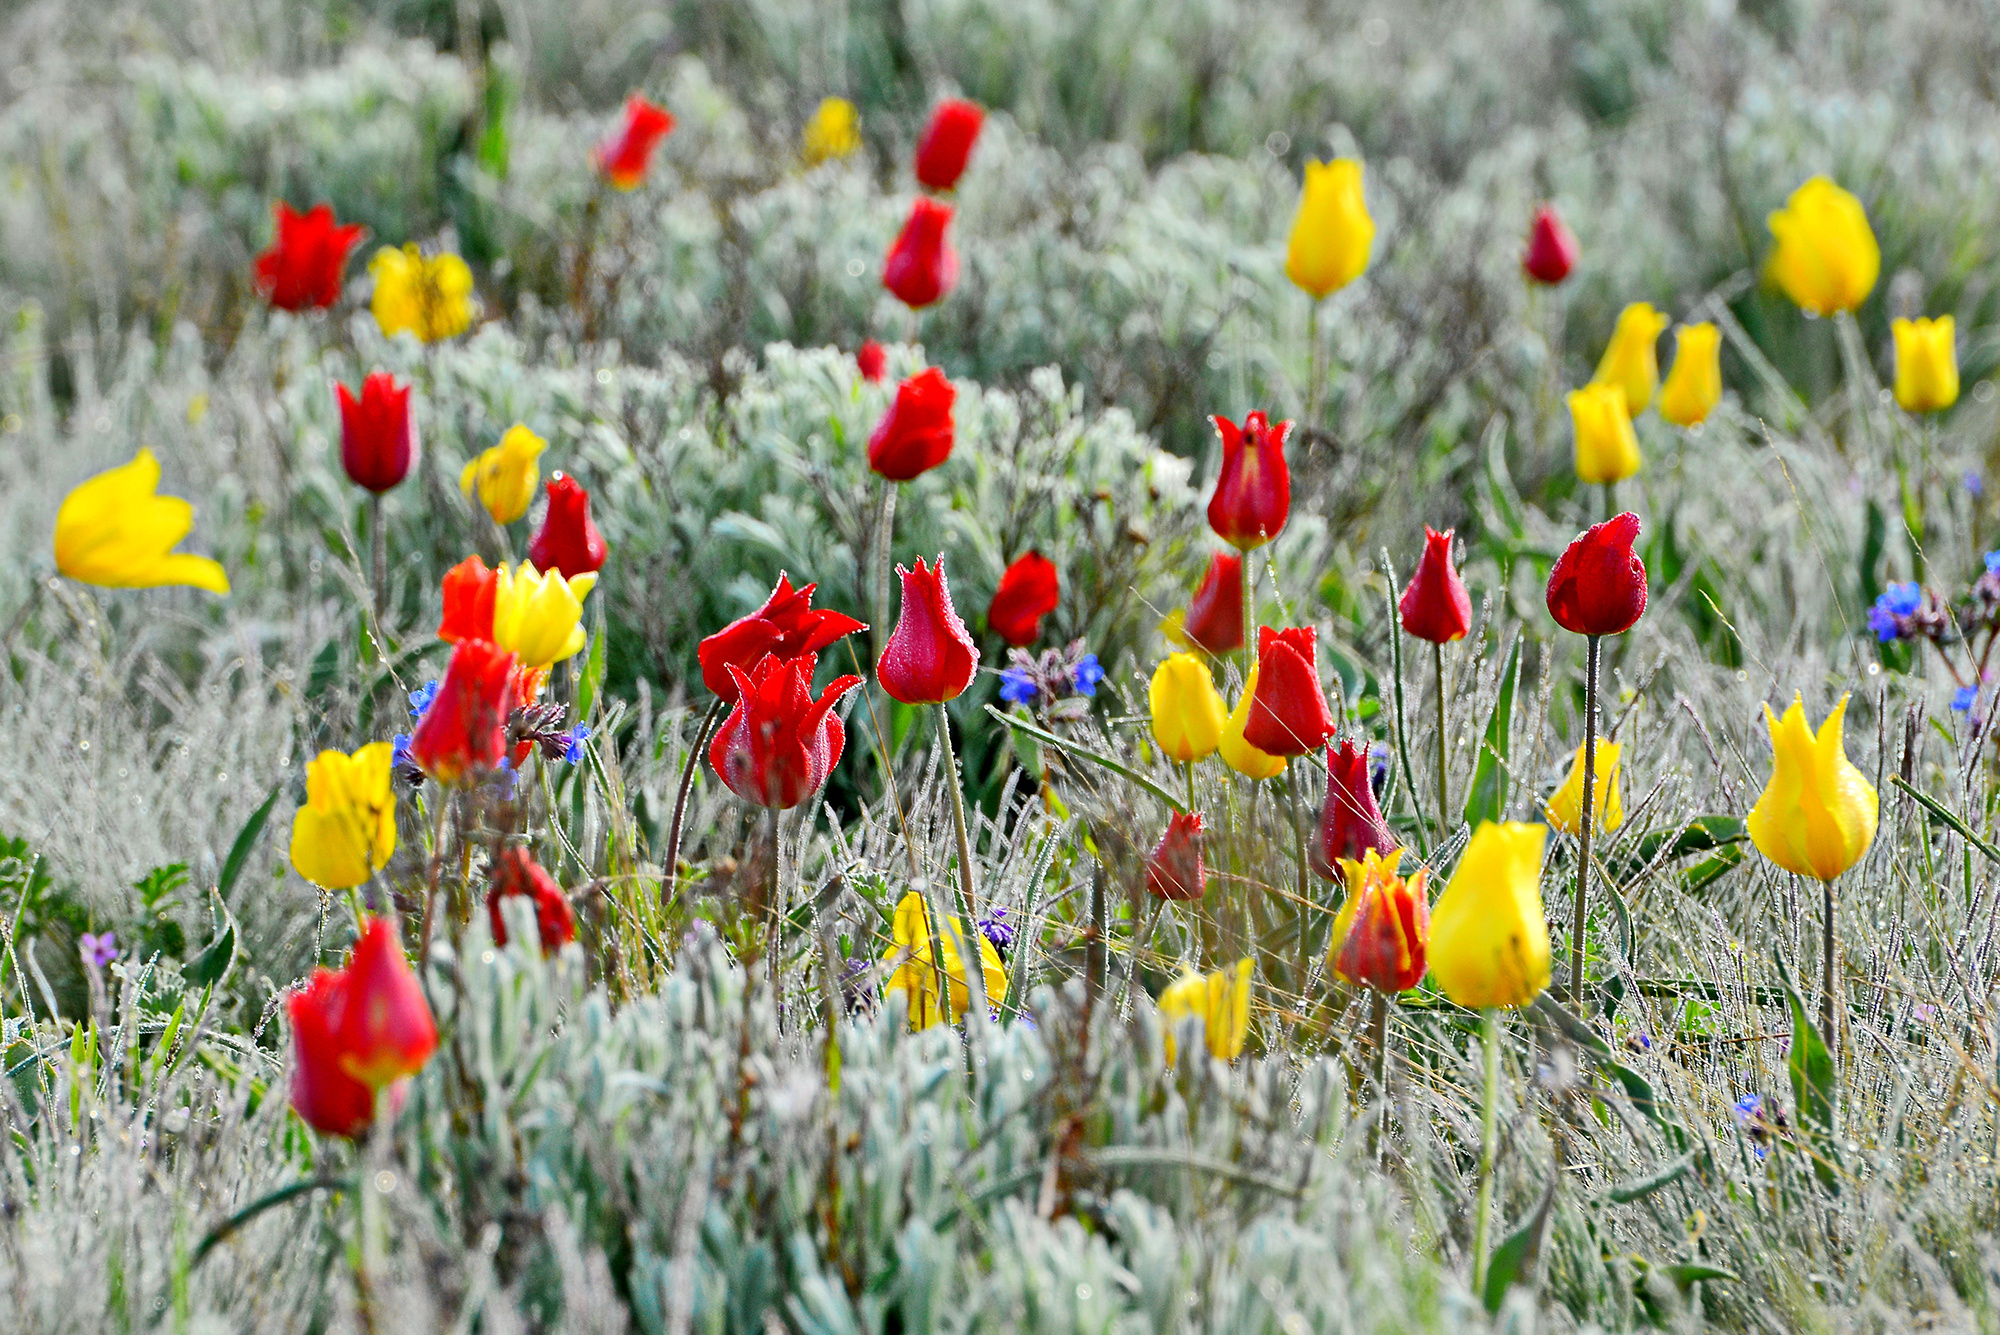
[1028, 592]
[872, 362]
[1435, 605]
[465, 729]
[377, 436]
[469, 590]
[786, 625]
[1351, 822]
[922, 266]
[1288, 714]
[356, 1031]
[929, 658]
[303, 267]
[779, 743]
[1253, 496]
[517, 873]
[1599, 585]
[1215, 613]
[1174, 869]
[331, 1101]
[1551, 251]
[625, 153]
[1389, 935]
[567, 541]
[915, 435]
[947, 142]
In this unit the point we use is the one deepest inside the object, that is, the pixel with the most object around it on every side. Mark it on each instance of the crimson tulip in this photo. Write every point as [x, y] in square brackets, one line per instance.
[356, 1031]
[1253, 495]
[786, 625]
[308, 255]
[1350, 824]
[330, 1101]
[1288, 714]
[567, 542]
[1174, 868]
[1552, 249]
[1598, 586]
[930, 657]
[1215, 613]
[465, 729]
[377, 435]
[872, 361]
[779, 743]
[1028, 592]
[518, 874]
[624, 154]
[1435, 605]
[947, 142]
[469, 592]
[915, 435]
[922, 266]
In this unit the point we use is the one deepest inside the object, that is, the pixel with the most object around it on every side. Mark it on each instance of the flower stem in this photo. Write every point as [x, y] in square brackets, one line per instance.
[1378, 1038]
[1249, 616]
[1489, 1146]
[1313, 375]
[885, 529]
[1610, 499]
[1826, 965]
[378, 542]
[1305, 881]
[1588, 822]
[673, 862]
[1189, 767]
[1402, 722]
[971, 959]
[1444, 799]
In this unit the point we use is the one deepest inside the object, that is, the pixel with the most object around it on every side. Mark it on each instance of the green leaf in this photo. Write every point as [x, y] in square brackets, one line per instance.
[212, 965]
[1686, 1273]
[1627, 1192]
[1514, 1259]
[246, 840]
[592, 679]
[1700, 834]
[1815, 1094]
[1708, 871]
[1487, 798]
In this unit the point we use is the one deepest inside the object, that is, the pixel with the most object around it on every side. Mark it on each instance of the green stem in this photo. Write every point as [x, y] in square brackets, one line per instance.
[1189, 767]
[1489, 1146]
[1610, 499]
[1584, 827]
[1444, 798]
[1249, 616]
[378, 542]
[970, 957]
[1402, 723]
[1305, 880]
[1826, 967]
[1313, 373]
[693, 763]
[885, 528]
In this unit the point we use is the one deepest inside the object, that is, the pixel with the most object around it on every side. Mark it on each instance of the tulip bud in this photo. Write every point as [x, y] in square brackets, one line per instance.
[567, 543]
[1926, 364]
[1332, 233]
[377, 437]
[947, 142]
[1350, 824]
[1489, 939]
[517, 874]
[1253, 492]
[1694, 385]
[930, 657]
[1606, 804]
[1173, 868]
[1631, 360]
[1598, 586]
[115, 531]
[1435, 605]
[503, 477]
[786, 626]
[922, 267]
[1214, 618]
[1239, 754]
[1826, 259]
[1607, 449]
[1028, 592]
[623, 156]
[1288, 713]
[464, 731]
[1817, 815]
[779, 743]
[346, 831]
[1380, 935]
[872, 362]
[1552, 250]
[469, 590]
[915, 435]
[1188, 717]
[308, 255]
[833, 132]
[1221, 1001]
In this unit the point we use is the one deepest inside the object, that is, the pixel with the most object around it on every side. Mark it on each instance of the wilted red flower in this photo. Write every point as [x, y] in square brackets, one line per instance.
[567, 541]
[930, 657]
[1215, 613]
[1435, 605]
[779, 743]
[517, 873]
[915, 435]
[1253, 494]
[377, 437]
[922, 266]
[1551, 251]
[1174, 868]
[469, 591]
[1599, 585]
[872, 361]
[947, 142]
[786, 625]
[465, 729]
[1351, 822]
[1288, 714]
[1028, 592]
[625, 153]
[1389, 928]
[308, 255]
[357, 1030]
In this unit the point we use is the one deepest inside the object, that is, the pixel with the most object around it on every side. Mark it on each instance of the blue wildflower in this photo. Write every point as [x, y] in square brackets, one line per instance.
[1018, 687]
[1993, 563]
[1085, 676]
[1898, 603]
[1378, 768]
[995, 928]
[399, 752]
[573, 749]
[1962, 698]
[1749, 1106]
[1975, 483]
[420, 699]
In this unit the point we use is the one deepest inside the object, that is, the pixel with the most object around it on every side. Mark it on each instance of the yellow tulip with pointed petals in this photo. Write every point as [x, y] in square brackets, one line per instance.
[503, 477]
[429, 295]
[1332, 233]
[346, 831]
[1630, 360]
[1607, 449]
[1237, 753]
[913, 970]
[1607, 805]
[538, 615]
[1220, 999]
[1694, 385]
[115, 531]
[1827, 258]
[1817, 815]
[1926, 364]
[1489, 937]
[1188, 716]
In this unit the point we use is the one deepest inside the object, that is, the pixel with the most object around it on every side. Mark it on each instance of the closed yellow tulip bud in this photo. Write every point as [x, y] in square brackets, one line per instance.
[1694, 385]
[1607, 804]
[1607, 449]
[347, 828]
[1238, 754]
[115, 532]
[1926, 364]
[915, 972]
[1630, 360]
[1188, 715]
[1817, 815]
[1826, 259]
[1221, 999]
[431, 296]
[503, 477]
[833, 132]
[538, 616]
[1489, 938]
[1332, 233]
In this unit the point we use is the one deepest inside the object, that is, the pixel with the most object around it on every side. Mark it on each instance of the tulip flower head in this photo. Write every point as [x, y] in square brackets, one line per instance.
[1827, 258]
[1028, 592]
[1173, 868]
[1237, 752]
[503, 477]
[516, 875]
[1607, 449]
[786, 626]
[914, 969]
[1926, 364]
[567, 543]
[930, 657]
[1598, 586]
[463, 732]
[1351, 826]
[1694, 385]
[1552, 249]
[947, 142]
[1607, 804]
[1817, 815]
[872, 361]
[1213, 621]
[1631, 360]
[921, 266]
[1489, 939]
[916, 434]
[346, 831]
[834, 132]
[779, 743]
[356, 1031]
[469, 591]
[377, 437]
[538, 615]
[1221, 1001]
[116, 532]
[1288, 713]
[1188, 717]
[430, 296]
[1253, 493]
[1383, 928]
[1332, 233]
[623, 156]
[1435, 605]
[308, 255]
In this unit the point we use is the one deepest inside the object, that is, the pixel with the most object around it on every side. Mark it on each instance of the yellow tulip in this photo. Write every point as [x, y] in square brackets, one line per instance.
[1607, 449]
[833, 132]
[1221, 1000]
[113, 530]
[1378, 873]
[1694, 385]
[1826, 259]
[538, 616]
[1332, 232]
[347, 828]
[1630, 360]
[431, 296]
[1489, 939]
[1817, 815]
[913, 972]
[1238, 754]
[1188, 715]
[1926, 364]
[1607, 805]
[504, 476]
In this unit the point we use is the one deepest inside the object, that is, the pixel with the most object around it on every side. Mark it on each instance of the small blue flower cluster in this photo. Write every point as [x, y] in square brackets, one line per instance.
[420, 702]
[1894, 614]
[1057, 674]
